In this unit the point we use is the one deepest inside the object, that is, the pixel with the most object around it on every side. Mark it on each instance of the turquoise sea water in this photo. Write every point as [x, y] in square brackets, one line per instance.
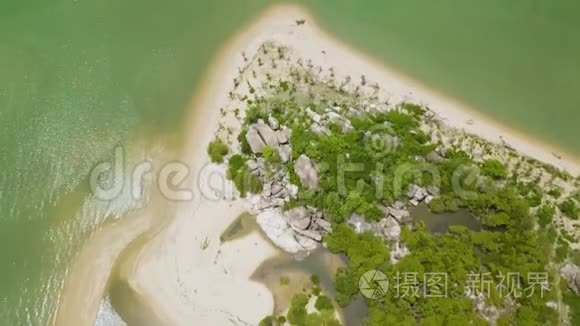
[79, 77]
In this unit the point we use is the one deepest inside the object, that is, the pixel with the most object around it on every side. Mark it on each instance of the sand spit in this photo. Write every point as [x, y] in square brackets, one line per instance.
[183, 270]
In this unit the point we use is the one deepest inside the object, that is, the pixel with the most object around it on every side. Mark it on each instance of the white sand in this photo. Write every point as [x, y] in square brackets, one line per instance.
[190, 286]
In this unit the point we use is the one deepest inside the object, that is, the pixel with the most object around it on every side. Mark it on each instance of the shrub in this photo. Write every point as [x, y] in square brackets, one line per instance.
[297, 312]
[568, 208]
[323, 303]
[217, 149]
[267, 321]
[556, 192]
[545, 214]
[284, 280]
[315, 279]
[270, 155]
[494, 169]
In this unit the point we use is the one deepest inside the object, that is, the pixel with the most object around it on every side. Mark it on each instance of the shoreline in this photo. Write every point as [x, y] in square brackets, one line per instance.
[189, 285]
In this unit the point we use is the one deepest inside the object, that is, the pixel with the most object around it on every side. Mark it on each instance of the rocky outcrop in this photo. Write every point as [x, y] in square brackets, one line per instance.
[417, 195]
[391, 228]
[488, 312]
[260, 135]
[306, 171]
[267, 134]
[275, 226]
[571, 273]
[285, 152]
[273, 122]
[254, 140]
[298, 217]
[283, 135]
[335, 118]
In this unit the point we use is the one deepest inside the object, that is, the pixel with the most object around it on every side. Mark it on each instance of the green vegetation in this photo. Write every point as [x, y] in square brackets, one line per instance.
[494, 169]
[217, 149]
[371, 164]
[324, 303]
[298, 316]
[545, 214]
[569, 208]
[284, 280]
[244, 180]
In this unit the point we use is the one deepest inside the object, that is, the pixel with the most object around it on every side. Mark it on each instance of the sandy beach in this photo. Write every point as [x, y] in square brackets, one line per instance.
[192, 285]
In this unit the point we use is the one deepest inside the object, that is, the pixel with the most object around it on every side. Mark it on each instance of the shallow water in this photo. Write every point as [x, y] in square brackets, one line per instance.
[440, 222]
[299, 270]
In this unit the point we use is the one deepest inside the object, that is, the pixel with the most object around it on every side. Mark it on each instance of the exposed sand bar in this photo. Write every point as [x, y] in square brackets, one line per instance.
[192, 286]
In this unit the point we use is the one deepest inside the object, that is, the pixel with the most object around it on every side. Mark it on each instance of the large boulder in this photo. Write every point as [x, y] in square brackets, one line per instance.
[391, 229]
[571, 273]
[313, 115]
[306, 171]
[400, 215]
[268, 135]
[285, 152]
[274, 225]
[311, 234]
[273, 122]
[283, 135]
[298, 217]
[254, 140]
[324, 225]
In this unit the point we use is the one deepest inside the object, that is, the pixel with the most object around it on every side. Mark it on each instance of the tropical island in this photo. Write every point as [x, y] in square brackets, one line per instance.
[334, 161]
[354, 168]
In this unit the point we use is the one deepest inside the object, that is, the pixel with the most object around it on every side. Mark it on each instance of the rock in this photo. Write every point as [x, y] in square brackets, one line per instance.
[273, 122]
[274, 225]
[398, 252]
[341, 121]
[420, 194]
[398, 214]
[359, 224]
[552, 304]
[320, 130]
[292, 190]
[276, 189]
[412, 191]
[267, 189]
[277, 202]
[391, 229]
[298, 217]
[252, 165]
[311, 234]
[254, 140]
[414, 202]
[571, 273]
[268, 135]
[428, 199]
[306, 171]
[399, 205]
[434, 157]
[283, 135]
[313, 115]
[306, 243]
[285, 152]
[324, 225]
[432, 190]
[261, 163]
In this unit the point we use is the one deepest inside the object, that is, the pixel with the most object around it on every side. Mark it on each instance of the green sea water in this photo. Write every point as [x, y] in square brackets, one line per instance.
[78, 78]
